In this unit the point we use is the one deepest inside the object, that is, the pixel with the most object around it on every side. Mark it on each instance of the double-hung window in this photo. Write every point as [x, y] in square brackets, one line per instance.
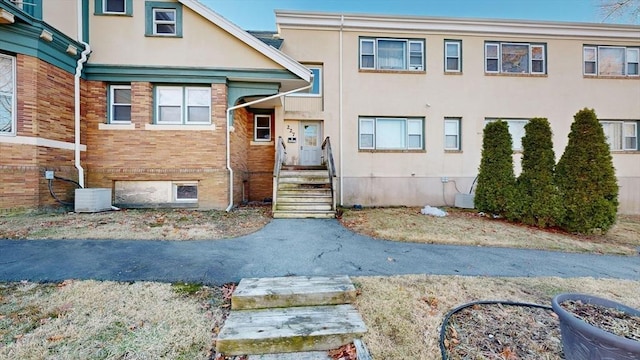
[621, 135]
[114, 7]
[516, 130]
[7, 95]
[515, 58]
[119, 104]
[611, 60]
[163, 19]
[391, 54]
[183, 105]
[452, 134]
[391, 133]
[262, 127]
[453, 56]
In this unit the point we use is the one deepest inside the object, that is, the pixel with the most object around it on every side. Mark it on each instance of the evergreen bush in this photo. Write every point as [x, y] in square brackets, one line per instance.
[495, 191]
[538, 202]
[586, 177]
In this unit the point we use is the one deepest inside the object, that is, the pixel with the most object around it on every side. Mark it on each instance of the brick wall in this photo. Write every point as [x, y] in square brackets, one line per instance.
[240, 154]
[45, 109]
[156, 155]
[261, 161]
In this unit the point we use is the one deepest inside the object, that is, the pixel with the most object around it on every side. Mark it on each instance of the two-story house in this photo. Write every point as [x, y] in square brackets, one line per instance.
[405, 99]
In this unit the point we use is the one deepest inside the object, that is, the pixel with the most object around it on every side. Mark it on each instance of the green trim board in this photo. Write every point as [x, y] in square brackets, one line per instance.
[99, 8]
[85, 21]
[23, 37]
[181, 75]
[150, 6]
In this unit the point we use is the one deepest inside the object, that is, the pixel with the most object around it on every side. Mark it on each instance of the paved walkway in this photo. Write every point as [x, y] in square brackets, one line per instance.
[287, 247]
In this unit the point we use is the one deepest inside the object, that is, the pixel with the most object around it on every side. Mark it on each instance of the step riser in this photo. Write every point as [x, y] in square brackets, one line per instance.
[289, 330]
[304, 180]
[278, 214]
[293, 192]
[257, 293]
[308, 207]
[313, 173]
[304, 200]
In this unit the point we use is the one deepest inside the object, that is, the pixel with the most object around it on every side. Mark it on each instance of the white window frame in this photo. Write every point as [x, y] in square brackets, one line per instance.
[499, 52]
[105, 11]
[516, 139]
[256, 127]
[184, 105]
[12, 94]
[373, 122]
[113, 104]
[458, 57]
[173, 22]
[184, 200]
[456, 122]
[407, 66]
[627, 130]
[317, 78]
[626, 63]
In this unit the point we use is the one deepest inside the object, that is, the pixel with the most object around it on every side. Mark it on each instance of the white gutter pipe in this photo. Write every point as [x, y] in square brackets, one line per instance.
[80, 64]
[229, 110]
[340, 117]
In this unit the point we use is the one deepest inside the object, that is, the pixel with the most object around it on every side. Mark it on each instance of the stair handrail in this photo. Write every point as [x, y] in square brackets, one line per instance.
[281, 158]
[327, 159]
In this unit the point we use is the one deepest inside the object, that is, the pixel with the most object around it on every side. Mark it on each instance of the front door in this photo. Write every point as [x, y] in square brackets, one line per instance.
[311, 145]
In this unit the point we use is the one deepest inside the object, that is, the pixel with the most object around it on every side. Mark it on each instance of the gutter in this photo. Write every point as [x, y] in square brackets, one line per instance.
[81, 61]
[229, 110]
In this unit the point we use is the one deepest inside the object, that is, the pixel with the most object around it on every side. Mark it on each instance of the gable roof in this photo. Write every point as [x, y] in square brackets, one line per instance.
[268, 37]
[252, 41]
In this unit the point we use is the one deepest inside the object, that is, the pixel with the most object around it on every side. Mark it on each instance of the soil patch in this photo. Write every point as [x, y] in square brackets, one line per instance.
[611, 320]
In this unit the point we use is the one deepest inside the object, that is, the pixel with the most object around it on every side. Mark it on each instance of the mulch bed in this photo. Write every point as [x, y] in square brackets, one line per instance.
[611, 320]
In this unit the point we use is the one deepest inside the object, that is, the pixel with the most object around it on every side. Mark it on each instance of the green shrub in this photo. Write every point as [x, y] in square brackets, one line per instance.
[586, 178]
[495, 191]
[538, 202]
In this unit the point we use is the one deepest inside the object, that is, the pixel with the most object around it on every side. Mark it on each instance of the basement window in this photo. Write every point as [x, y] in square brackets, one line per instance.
[187, 192]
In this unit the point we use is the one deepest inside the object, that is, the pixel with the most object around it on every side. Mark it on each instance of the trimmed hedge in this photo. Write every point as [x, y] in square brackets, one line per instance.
[496, 186]
[586, 179]
[538, 202]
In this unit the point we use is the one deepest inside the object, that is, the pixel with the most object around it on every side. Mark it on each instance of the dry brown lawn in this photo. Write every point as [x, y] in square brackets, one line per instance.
[462, 227]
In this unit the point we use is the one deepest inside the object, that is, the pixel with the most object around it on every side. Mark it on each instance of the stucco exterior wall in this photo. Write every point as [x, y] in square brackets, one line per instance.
[62, 15]
[414, 177]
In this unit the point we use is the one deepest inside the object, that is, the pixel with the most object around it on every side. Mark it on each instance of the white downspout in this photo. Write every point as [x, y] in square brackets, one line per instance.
[229, 110]
[80, 64]
[340, 117]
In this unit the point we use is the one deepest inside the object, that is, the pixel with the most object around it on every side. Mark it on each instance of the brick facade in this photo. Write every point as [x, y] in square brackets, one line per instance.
[45, 111]
[142, 154]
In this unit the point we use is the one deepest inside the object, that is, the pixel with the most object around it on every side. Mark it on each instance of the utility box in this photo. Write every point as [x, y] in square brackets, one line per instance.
[464, 201]
[93, 200]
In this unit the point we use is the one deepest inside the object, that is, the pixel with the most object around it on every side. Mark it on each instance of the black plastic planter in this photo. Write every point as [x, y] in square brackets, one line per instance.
[581, 341]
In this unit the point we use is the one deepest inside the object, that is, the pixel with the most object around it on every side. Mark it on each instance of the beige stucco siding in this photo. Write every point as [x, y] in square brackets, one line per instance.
[121, 40]
[414, 178]
[62, 14]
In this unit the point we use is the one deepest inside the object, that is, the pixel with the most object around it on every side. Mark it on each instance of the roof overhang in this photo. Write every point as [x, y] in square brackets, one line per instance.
[424, 24]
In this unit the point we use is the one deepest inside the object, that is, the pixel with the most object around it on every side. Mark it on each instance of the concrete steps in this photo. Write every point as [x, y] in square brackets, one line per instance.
[290, 315]
[304, 192]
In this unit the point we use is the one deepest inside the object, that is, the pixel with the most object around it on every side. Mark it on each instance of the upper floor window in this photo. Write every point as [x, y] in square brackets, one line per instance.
[516, 130]
[515, 58]
[391, 54]
[114, 7]
[163, 19]
[452, 134]
[119, 104]
[7, 95]
[453, 56]
[611, 60]
[183, 105]
[391, 133]
[316, 86]
[262, 127]
[621, 135]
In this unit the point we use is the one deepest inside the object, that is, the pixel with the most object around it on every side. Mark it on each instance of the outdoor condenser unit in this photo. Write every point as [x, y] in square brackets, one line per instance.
[93, 200]
[464, 201]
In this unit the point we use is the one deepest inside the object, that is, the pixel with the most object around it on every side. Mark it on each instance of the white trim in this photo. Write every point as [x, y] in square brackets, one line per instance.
[422, 24]
[104, 8]
[255, 128]
[179, 127]
[457, 122]
[156, 22]
[458, 44]
[102, 126]
[174, 190]
[112, 102]
[272, 53]
[38, 141]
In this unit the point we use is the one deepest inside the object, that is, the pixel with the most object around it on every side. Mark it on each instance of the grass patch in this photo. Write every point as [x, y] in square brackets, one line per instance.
[187, 288]
[463, 227]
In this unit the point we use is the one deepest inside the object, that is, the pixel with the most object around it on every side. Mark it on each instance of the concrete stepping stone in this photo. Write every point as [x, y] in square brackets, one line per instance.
[285, 330]
[309, 355]
[259, 293]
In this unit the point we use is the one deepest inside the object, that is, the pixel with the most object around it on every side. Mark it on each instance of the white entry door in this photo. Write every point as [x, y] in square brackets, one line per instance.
[311, 145]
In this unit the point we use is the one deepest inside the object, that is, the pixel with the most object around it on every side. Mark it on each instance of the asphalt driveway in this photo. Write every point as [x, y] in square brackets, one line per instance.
[288, 247]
